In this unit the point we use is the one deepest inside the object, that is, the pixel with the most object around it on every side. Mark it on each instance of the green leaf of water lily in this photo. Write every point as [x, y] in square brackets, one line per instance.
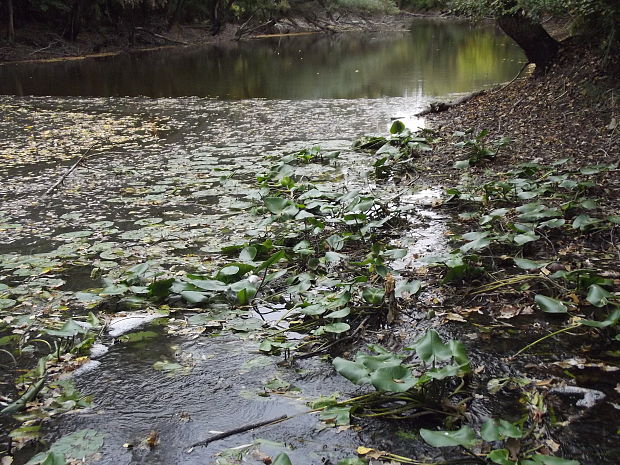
[501, 457]
[463, 437]
[540, 459]
[313, 310]
[553, 223]
[194, 297]
[522, 239]
[393, 379]
[336, 328]
[373, 295]
[430, 348]
[408, 287]
[499, 429]
[549, 305]
[397, 127]
[248, 254]
[395, 254]
[335, 241]
[526, 264]
[478, 244]
[282, 459]
[69, 329]
[7, 303]
[339, 313]
[611, 320]
[584, 222]
[276, 204]
[598, 296]
[354, 372]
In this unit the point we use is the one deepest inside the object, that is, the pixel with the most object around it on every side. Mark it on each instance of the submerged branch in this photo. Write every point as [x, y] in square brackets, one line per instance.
[69, 171]
[241, 429]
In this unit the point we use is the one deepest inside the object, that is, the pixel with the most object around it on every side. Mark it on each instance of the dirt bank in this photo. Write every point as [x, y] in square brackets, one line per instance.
[39, 42]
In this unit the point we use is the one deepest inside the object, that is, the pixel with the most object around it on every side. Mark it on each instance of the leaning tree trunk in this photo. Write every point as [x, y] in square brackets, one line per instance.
[540, 48]
[11, 25]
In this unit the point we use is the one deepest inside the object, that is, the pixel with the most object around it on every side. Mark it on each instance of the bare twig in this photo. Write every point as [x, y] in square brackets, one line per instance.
[69, 171]
[241, 429]
[513, 79]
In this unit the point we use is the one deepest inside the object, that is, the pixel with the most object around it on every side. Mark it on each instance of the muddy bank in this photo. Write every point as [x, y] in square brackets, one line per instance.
[40, 43]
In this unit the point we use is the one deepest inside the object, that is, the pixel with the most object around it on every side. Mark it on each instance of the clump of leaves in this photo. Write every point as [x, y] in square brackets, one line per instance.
[397, 152]
[476, 147]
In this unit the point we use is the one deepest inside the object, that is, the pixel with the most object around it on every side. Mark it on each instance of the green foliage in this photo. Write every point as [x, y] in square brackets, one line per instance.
[387, 373]
[493, 431]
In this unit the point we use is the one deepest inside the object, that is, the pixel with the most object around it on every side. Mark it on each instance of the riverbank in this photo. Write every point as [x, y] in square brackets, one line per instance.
[36, 43]
[532, 180]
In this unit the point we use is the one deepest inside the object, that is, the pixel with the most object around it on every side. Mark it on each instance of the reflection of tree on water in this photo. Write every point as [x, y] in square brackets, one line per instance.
[434, 58]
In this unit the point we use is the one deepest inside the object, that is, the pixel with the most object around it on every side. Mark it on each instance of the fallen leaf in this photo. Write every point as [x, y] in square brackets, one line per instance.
[554, 446]
[454, 317]
[508, 311]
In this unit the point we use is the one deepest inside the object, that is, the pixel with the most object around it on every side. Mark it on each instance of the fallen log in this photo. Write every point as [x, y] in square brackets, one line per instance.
[438, 107]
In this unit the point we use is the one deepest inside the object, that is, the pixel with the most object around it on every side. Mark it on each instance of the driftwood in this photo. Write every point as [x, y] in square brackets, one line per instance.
[241, 429]
[159, 36]
[438, 107]
[69, 171]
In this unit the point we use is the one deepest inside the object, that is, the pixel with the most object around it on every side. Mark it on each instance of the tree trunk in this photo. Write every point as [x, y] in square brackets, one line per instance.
[75, 21]
[540, 48]
[11, 35]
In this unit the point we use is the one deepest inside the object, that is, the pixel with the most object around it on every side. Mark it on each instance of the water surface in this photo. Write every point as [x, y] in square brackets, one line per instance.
[433, 58]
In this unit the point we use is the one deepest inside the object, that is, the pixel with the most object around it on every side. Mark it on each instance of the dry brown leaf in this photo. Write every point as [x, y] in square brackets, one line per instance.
[508, 311]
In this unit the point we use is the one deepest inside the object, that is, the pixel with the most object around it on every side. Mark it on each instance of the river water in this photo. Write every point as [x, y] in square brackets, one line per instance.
[176, 136]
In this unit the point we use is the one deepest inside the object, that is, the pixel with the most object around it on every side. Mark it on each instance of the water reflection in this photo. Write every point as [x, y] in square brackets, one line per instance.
[433, 58]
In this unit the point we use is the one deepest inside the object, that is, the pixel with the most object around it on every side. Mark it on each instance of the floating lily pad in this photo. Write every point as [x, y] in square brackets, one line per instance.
[7, 303]
[73, 235]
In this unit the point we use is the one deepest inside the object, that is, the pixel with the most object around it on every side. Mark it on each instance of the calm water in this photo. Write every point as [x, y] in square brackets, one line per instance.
[434, 58]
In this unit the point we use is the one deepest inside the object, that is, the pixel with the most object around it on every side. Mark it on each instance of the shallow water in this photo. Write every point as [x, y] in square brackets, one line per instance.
[166, 181]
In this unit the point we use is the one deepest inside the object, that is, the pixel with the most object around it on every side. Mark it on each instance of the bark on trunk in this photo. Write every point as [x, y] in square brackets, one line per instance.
[75, 21]
[11, 25]
[540, 48]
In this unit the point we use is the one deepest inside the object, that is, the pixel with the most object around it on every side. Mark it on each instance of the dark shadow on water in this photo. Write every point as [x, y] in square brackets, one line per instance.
[433, 58]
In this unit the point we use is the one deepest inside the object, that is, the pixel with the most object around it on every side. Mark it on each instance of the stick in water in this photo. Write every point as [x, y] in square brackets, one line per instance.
[241, 429]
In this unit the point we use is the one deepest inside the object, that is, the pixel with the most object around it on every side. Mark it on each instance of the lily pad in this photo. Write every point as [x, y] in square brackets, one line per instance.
[549, 305]
[463, 437]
